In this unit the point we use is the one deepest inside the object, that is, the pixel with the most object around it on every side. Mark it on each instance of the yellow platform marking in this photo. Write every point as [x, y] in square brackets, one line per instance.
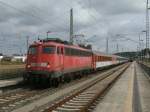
[129, 99]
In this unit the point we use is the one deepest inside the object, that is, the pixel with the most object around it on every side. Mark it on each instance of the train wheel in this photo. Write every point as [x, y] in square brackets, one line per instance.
[88, 72]
[55, 82]
[74, 76]
[79, 74]
[26, 80]
[84, 73]
[67, 79]
[31, 81]
[44, 82]
[49, 82]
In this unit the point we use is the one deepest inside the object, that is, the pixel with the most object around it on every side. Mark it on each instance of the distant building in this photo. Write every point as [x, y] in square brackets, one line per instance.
[21, 58]
[1, 56]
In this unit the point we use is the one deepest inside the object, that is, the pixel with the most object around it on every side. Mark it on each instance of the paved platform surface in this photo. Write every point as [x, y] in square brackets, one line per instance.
[131, 93]
[10, 82]
[144, 89]
[119, 97]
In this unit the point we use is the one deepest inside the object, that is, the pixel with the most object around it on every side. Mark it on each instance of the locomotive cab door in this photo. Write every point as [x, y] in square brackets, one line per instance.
[62, 58]
[60, 52]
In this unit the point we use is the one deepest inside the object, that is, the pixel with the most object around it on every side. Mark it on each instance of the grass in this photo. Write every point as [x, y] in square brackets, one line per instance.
[8, 67]
[11, 63]
[11, 70]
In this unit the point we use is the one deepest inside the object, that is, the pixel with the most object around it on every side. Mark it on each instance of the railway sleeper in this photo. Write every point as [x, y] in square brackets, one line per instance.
[75, 104]
[79, 101]
[72, 106]
[81, 98]
[61, 109]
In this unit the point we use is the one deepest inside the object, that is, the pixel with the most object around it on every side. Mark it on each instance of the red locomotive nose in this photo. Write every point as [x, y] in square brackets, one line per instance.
[41, 57]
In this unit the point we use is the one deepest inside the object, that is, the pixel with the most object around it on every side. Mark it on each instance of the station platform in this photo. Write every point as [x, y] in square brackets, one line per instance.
[143, 83]
[131, 93]
[10, 82]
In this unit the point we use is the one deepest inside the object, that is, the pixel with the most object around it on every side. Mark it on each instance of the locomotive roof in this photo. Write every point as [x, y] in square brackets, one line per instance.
[103, 54]
[109, 55]
[59, 43]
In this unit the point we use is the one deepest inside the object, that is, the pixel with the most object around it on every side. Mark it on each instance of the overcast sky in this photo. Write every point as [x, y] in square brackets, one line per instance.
[96, 19]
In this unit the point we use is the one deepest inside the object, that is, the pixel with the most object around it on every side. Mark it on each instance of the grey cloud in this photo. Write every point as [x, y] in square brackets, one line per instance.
[103, 18]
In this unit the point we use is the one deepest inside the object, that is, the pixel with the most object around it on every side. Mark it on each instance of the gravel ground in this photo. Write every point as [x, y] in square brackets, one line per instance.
[59, 94]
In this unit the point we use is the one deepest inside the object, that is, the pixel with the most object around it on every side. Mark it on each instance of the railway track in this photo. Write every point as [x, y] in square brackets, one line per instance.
[83, 99]
[11, 101]
[14, 100]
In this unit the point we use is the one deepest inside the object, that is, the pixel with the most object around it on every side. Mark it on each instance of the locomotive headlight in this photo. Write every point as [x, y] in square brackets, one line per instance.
[48, 66]
[28, 66]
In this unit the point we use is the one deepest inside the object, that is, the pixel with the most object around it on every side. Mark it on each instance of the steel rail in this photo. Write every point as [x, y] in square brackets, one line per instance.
[80, 100]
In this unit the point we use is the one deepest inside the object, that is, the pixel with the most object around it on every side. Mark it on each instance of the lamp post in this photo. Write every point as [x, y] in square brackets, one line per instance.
[140, 45]
[145, 31]
[141, 49]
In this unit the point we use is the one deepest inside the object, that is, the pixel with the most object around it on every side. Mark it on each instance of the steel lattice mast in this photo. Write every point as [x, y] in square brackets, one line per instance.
[147, 27]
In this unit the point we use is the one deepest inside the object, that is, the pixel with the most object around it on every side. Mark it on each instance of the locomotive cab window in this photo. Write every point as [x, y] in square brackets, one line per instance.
[32, 50]
[49, 49]
[58, 50]
[62, 51]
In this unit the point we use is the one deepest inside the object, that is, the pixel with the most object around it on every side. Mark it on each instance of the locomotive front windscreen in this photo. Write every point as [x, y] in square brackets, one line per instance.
[49, 49]
[32, 50]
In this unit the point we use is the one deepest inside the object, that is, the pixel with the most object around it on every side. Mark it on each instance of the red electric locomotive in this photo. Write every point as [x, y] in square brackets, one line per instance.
[54, 60]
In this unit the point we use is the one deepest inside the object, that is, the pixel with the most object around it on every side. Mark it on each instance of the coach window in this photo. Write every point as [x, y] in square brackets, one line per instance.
[67, 51]
[73, 52]
[49, 49]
